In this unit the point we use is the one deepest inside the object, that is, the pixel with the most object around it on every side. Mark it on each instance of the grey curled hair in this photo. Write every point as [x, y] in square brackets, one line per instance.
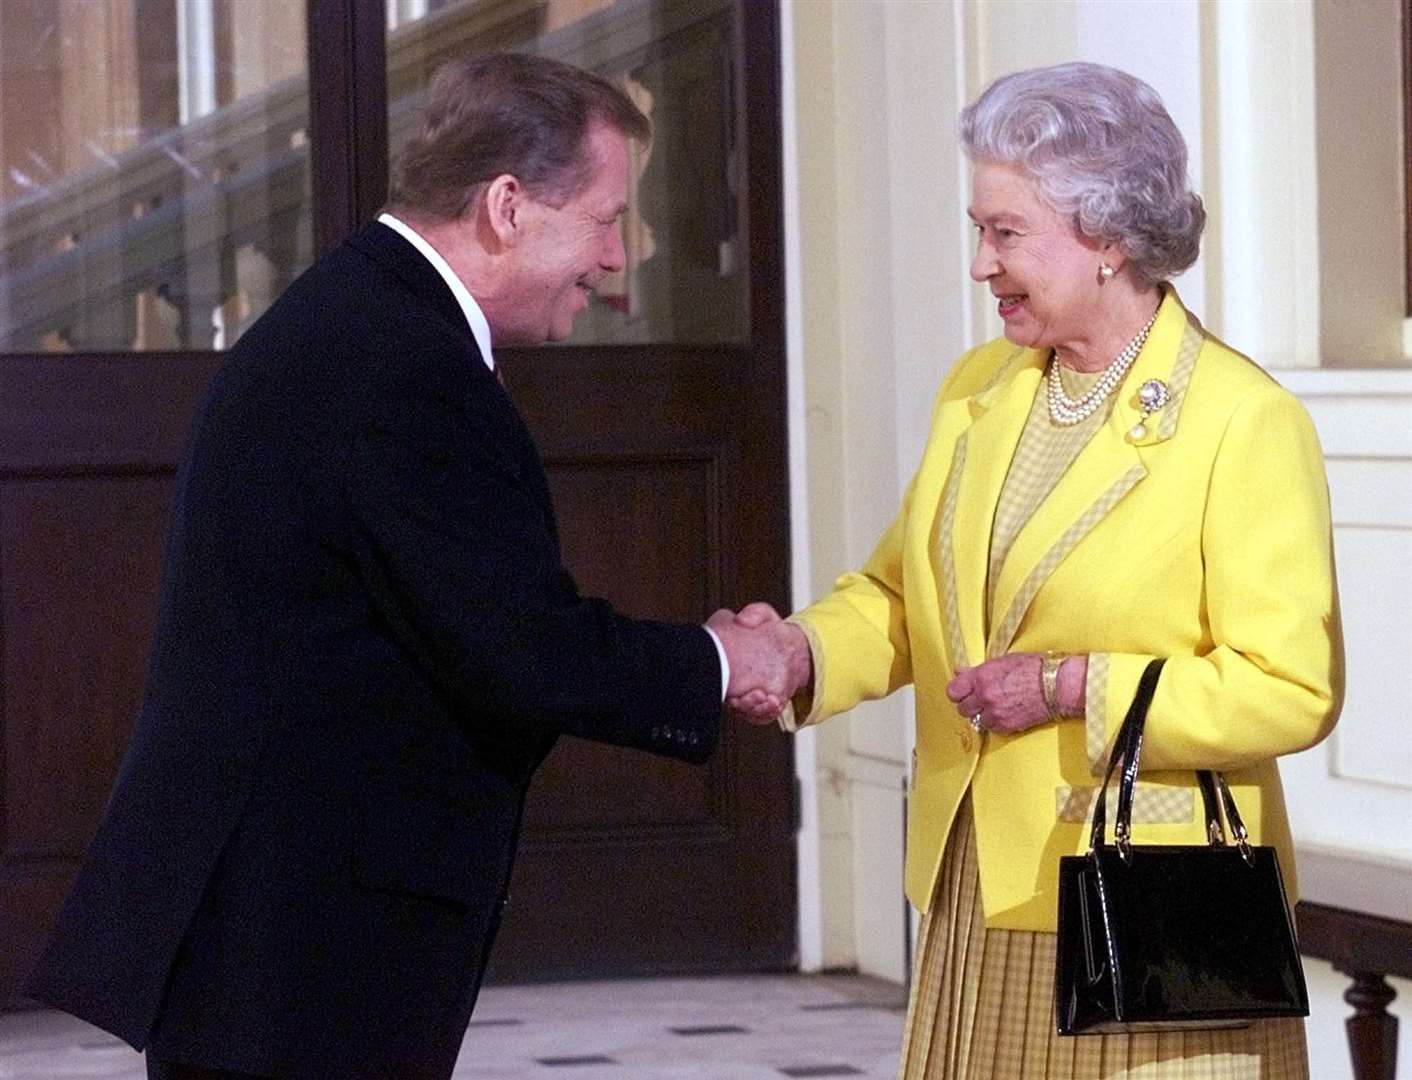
[1102, 148]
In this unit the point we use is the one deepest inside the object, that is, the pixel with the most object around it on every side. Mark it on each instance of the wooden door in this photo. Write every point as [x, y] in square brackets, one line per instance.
[667, 463]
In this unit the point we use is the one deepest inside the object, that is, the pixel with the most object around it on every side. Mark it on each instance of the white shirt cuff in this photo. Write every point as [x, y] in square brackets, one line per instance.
[725, 663]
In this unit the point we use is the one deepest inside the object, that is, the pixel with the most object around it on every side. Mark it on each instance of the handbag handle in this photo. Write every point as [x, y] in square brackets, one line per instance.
[1127, 747]
[1124, 751]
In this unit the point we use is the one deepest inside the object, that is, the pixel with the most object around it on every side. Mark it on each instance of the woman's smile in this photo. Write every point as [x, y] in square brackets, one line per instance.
[1010, 305]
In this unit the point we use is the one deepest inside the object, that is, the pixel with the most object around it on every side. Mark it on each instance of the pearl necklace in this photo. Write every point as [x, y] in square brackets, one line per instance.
[1064, 410]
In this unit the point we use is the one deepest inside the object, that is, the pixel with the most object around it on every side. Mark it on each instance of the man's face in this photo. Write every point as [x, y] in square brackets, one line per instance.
[568, 250]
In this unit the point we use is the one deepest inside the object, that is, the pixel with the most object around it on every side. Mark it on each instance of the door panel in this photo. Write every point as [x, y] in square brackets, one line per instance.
[637, 531]
[75, 604]
[77, 555]
[87, 453]
[630, 865]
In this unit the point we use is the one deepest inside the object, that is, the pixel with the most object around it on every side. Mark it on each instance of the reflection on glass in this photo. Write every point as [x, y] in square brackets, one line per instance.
[685, 280]
[154, 170]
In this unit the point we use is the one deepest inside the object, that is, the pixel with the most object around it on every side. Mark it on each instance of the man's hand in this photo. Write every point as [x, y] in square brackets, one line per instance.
[769, 659]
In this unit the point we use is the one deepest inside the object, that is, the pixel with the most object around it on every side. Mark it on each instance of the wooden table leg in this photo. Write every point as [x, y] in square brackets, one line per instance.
[1372, 1030]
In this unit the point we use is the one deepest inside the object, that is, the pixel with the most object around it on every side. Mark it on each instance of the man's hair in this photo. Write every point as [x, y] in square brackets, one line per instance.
[486, 116]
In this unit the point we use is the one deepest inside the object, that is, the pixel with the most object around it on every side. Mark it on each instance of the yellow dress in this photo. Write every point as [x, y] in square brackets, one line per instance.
[982, 1005]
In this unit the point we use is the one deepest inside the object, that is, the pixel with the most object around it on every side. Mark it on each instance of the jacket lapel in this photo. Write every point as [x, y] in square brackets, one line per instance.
[1110, 466]
[980, 462]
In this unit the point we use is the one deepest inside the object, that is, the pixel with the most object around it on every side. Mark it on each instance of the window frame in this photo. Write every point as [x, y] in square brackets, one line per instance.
[1407, 150]
[347, 60]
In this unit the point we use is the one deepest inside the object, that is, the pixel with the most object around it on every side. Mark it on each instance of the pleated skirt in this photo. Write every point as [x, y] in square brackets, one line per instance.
[982, 1007]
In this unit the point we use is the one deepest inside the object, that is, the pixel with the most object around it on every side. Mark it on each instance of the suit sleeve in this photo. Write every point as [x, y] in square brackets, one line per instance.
[1272, 682]
[460, 562]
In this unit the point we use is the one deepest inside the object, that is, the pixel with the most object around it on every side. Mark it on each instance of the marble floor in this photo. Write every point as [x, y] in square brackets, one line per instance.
[758, 1028]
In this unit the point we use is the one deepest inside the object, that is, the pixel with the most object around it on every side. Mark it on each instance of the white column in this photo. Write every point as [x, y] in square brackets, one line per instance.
[1265, 210]
[402, 12]
[196, 59]
[811, 929]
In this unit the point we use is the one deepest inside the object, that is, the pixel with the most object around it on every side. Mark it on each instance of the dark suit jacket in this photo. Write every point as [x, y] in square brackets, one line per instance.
[365, 646]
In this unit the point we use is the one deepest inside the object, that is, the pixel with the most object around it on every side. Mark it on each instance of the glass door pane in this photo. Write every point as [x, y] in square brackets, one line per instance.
[686, 276]
[154, 170]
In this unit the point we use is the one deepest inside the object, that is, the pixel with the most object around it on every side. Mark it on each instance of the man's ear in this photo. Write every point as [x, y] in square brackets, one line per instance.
[504, 205]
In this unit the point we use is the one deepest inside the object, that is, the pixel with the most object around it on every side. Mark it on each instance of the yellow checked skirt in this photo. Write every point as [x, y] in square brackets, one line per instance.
[982, 1007]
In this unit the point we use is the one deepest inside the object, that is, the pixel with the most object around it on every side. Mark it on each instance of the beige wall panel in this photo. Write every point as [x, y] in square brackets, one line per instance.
[830, 909]
[1357, 85]
[1014, 34]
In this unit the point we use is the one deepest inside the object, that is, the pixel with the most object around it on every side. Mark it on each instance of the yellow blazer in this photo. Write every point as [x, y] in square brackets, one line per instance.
[1205, 540]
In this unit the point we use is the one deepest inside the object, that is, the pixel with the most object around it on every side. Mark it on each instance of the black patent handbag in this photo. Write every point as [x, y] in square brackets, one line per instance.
[1155, 937]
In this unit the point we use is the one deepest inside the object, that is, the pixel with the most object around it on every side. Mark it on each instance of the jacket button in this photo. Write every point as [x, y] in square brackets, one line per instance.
[681, 737]
[965, 738]
[694, 739]
[656, 731]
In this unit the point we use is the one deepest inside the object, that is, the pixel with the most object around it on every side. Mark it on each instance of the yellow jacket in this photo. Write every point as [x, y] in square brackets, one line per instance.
[1205, 540]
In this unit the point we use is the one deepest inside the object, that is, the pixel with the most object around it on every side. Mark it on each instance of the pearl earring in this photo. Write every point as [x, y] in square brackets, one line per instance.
[1106, 272]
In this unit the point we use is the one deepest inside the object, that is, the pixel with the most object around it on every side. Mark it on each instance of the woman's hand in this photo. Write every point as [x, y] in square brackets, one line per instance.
[1007, 695]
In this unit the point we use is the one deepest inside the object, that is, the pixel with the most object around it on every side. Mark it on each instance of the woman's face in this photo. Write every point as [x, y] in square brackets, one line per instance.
[1042, 271]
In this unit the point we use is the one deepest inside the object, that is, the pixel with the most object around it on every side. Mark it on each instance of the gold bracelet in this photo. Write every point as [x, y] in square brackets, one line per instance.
[1049, 682]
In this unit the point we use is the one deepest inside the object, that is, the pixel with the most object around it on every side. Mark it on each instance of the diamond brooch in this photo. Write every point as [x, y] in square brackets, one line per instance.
[1151, 396]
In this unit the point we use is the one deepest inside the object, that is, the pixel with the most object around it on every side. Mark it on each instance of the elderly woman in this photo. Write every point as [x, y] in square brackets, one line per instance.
[1106, 484]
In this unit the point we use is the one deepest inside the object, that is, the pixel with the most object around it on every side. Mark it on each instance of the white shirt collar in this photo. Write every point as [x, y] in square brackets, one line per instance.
[480, 329]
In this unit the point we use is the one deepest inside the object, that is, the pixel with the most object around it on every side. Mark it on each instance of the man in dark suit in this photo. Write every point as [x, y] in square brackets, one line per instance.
[367, 642]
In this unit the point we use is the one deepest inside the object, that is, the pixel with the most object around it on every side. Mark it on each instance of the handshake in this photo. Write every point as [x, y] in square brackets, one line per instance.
[769, 659]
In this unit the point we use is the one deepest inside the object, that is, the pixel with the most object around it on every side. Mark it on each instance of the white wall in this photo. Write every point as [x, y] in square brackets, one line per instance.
[876, 313]
[1290, 112]
[1351, 797]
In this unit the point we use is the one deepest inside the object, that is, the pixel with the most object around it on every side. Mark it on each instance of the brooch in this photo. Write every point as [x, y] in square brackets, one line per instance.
[1151, 396]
